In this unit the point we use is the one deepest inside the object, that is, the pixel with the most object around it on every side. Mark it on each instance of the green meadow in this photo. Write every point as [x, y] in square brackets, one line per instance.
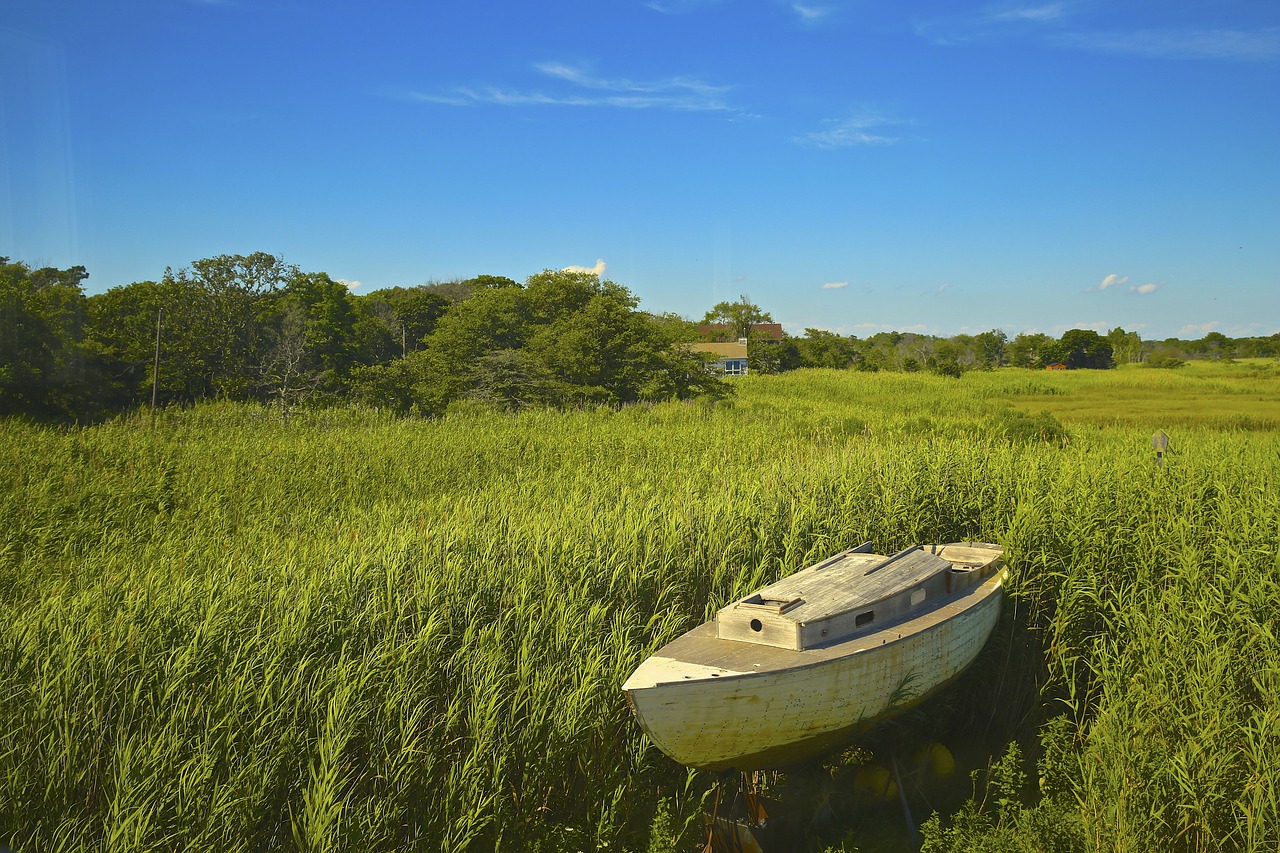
[353, 632]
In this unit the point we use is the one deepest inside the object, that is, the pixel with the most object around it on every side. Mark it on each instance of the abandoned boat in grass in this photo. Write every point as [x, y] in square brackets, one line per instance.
[797, 668]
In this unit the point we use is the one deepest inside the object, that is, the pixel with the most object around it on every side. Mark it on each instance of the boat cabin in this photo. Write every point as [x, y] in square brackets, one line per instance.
[851, 593]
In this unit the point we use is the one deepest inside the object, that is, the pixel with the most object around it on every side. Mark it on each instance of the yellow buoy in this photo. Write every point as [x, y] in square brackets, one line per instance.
[941, 761]
[874, 781]
[936, 759]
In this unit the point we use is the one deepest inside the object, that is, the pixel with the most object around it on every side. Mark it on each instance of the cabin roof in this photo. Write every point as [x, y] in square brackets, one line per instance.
[850, 581]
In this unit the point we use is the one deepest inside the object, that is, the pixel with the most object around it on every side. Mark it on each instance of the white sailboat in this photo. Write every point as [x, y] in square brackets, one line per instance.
[797, 668]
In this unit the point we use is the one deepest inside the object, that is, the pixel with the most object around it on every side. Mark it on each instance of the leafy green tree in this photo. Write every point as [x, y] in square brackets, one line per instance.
[1085, 348]
[326, 318]
[221, 318]
[1034, 350]
[562, 338]
[821, 348]
[1126, 347]
[412, 313]
[989, 348]
[43, 370]
[739, 316]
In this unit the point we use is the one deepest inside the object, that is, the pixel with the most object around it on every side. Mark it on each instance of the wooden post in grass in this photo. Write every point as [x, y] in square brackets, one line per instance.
[1160, 442]
[155, 367]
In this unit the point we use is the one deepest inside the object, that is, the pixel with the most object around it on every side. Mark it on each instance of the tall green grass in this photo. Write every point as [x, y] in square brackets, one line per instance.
[350, 632]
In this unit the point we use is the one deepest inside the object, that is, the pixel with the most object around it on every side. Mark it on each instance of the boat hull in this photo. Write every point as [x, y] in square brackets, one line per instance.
[716, 705]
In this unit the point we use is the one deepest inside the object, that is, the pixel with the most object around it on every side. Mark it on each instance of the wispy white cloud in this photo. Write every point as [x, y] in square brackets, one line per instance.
[942, 288]
[1260, 45]
[1144, 289]
[1198, 330]
[1110, 281]
[350, 285]
[598, 269]
[1058, 23]
[810, 14]
[585, 89]
[680, 7]
[991, 22]
[1039, 14]
[835, 285]
[866, 129]
[806, 13]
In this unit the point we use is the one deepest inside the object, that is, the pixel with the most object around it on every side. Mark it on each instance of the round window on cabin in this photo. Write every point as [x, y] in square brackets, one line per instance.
[757, 625]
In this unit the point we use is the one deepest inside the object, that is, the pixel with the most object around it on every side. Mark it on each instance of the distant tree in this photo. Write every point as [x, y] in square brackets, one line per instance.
[944, 360]
[1162, 360]
[43, 369]
[1085, 348]
[414, 312]
[562, 338]
[1034, 350]
[1126, 347]
[738, 316]
[989, 348]
[328, 317]
[290, 371]
[821, 348]
[221, 318]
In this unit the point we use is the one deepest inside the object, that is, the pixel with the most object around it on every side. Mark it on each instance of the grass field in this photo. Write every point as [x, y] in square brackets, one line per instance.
[349, 632]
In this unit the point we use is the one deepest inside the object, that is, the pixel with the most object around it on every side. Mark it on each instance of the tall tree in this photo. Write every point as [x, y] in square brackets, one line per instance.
[233, 297]
[1033, 349]
[43, 371]
[1085, 348]
[1126, 347]
[739, 316]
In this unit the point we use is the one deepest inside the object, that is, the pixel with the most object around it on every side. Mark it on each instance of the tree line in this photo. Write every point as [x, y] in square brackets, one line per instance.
[952, 356]
[251, 327]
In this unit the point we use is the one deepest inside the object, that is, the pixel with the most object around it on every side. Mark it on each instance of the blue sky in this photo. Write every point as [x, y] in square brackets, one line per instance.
[854, 166]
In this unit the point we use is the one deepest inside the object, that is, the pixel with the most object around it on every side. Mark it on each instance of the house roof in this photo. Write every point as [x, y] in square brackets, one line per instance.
[732, 349]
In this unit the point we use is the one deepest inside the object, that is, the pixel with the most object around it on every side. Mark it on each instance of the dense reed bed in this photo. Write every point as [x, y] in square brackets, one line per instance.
[348, 632]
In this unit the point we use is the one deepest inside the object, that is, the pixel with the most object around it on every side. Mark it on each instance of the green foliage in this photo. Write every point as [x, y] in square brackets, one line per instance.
[563, 339]
[739, 316]
[1085, 348]
[42, 355]
[1021, 428]
[356, 632]
[999, 821]
[1163, 361]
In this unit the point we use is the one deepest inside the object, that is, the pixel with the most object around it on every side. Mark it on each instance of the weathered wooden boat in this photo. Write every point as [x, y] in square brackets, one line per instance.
[803, 665]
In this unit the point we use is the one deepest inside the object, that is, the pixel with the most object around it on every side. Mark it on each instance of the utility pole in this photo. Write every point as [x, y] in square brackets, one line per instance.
[155, 368]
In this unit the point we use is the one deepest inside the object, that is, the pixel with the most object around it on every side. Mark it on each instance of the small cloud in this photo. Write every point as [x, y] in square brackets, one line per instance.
[1047, 12]
[679, 7]
[1144, 289]
[810, 14]
[835, 285]
[1261, 45]
[598, 269]
[943, 288]
[1198, 329]
[349, 285]
[850, 132]
[585, 89]
[1110, 281]
[990, 23]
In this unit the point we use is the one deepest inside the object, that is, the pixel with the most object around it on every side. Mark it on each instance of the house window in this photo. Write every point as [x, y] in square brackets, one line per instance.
[735, 367]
